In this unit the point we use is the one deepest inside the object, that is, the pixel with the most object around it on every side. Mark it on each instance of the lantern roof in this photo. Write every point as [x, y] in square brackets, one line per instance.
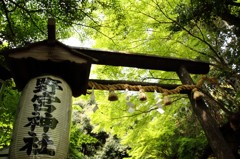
[44, 50]
[53, 58]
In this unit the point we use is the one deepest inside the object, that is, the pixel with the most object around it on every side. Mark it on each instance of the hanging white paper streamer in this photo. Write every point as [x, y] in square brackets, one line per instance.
[129, 103]
[158, 102]
[95, 108]
[92, 102]
[92, 98]
[160, 110]
[131, 107]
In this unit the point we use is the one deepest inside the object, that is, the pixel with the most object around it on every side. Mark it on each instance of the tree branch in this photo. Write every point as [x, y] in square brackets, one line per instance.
[29, 14]
[136, 114]
[190, 33]
[200, 52]
[8, 18]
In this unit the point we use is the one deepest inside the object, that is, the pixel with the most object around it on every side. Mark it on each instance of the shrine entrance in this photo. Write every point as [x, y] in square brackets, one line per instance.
[48, 72]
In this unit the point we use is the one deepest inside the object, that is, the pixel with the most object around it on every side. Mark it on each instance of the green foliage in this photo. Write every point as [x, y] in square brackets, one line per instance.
[26, 21]
[8, 105]
[78, 135]
[112, 149]
[86, 144]
[148, 133]
[202, 30]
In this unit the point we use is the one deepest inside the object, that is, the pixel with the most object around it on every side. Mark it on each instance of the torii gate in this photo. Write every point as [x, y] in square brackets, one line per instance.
[49, 73]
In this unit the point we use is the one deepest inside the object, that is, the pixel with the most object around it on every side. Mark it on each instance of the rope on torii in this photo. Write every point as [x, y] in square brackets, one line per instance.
[151, 88]
[138, 87]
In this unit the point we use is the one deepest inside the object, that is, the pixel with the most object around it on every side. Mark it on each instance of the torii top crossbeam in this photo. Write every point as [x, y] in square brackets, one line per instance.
[144, 61]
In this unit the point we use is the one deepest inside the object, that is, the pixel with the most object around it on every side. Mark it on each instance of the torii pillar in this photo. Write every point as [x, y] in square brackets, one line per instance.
[48, 73]
[208, 123]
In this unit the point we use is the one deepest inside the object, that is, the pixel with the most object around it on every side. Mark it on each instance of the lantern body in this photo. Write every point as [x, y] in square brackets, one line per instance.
[42, 124]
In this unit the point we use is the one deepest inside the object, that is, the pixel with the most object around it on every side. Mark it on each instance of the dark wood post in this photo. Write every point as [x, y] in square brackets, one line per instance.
[209, 125]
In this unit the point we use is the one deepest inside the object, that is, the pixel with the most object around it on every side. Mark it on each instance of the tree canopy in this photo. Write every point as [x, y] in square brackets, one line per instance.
[205, 30]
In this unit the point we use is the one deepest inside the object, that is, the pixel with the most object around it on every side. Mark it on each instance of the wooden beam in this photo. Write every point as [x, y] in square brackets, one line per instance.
[51, 31]
[144, 61]
[220, 148]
